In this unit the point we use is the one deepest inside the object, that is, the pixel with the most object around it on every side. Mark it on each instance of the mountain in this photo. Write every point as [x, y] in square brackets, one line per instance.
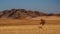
[22, 13]
[19, 13]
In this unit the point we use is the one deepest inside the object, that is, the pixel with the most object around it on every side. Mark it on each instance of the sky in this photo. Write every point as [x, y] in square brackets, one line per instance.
[48, 6]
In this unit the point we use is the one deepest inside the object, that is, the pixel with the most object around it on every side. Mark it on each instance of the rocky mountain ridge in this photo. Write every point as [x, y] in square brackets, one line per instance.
[22, 13]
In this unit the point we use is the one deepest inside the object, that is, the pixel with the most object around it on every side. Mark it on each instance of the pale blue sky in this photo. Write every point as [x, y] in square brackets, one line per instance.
[48, 6]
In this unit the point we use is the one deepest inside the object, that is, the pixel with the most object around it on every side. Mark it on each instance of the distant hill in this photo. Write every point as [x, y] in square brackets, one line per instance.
[22, 13]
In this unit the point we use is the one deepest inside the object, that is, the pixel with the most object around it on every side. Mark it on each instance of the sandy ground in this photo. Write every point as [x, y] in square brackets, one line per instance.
[30, 29]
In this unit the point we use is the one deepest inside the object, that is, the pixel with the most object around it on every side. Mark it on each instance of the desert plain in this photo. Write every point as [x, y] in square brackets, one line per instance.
[30, 25]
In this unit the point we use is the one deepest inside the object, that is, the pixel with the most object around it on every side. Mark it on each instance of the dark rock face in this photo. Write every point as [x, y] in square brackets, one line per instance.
[22, 13]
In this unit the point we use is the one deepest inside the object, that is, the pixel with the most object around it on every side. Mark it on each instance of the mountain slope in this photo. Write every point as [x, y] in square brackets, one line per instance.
[19, 13]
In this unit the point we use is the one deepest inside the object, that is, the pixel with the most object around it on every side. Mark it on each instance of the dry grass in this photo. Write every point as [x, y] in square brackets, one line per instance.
[30, 29]
[31, 21]
[52, 26]
[18, 21]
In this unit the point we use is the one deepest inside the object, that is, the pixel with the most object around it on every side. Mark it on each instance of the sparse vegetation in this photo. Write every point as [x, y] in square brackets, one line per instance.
[42, 23]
